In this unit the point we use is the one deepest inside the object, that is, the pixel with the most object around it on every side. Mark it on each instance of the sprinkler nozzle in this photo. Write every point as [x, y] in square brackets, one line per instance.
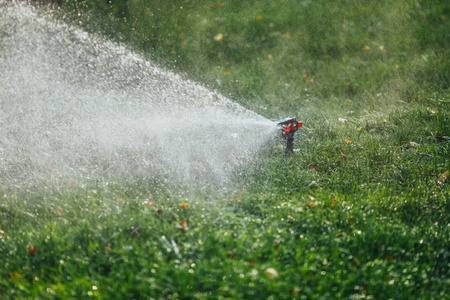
[289, 126]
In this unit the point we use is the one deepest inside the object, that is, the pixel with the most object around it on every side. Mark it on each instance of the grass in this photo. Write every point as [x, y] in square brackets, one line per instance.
[264, 54]
[360, 211]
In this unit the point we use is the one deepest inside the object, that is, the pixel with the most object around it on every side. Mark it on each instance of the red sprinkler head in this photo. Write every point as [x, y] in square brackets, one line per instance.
[289, 126]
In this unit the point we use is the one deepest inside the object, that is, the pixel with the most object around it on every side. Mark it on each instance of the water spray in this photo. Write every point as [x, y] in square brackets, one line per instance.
[77, 107]
[289, 126]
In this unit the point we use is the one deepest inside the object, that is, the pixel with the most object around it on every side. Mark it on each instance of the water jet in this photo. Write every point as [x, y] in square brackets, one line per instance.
[76, 106]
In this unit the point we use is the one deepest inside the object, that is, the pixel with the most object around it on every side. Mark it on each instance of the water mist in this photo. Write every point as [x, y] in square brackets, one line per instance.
[74, 106]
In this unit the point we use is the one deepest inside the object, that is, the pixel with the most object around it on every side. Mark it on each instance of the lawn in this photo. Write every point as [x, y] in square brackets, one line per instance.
[360, 210]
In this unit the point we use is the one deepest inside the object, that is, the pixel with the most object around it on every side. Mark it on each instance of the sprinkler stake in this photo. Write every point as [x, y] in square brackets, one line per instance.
[289, 126]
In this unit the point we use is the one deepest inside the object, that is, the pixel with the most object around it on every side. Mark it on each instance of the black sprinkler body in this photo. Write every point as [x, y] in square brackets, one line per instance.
[289, 126]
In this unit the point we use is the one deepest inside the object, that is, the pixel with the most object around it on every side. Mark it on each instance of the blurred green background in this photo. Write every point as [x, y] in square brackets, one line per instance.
[277, 56]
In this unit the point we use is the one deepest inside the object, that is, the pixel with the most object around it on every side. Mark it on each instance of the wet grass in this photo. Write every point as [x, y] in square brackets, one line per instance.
[374, 225]
[360, 211]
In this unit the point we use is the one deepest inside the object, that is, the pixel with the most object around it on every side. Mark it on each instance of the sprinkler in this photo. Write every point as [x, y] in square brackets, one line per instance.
[288, 127]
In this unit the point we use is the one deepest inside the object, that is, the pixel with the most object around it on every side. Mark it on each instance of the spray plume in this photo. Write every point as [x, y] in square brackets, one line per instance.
[76, 107]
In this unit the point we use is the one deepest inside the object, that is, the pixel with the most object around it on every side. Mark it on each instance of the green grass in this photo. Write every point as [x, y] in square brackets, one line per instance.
[351, 49]
[362, 218]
